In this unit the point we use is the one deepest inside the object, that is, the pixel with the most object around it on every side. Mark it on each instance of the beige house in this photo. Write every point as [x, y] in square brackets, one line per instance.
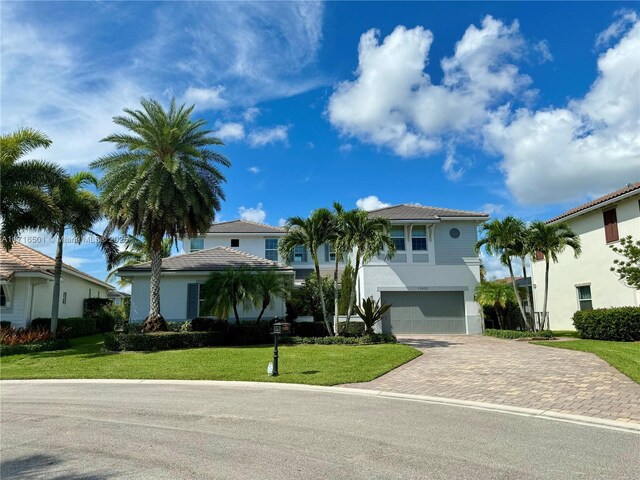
[26, 286]
[587, 282]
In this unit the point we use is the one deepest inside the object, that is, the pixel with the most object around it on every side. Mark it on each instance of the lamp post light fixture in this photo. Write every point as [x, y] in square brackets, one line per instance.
[278, 329]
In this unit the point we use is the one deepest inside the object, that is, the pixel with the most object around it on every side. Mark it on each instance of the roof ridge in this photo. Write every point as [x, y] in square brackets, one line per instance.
[419, 205]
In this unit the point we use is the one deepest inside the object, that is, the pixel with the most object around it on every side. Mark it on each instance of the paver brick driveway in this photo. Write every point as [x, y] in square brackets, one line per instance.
[486, 369]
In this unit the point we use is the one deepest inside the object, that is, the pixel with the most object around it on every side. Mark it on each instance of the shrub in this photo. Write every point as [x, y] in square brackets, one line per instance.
[249, 334]
[68, 327]
[364, 340]
[108, 316]
[45, 346]
[207, 324]
[309, 329]
[21, 336]
[355, 329]
[148, 342]
[92, 306]
[511, 334]
[617, 324]
[5, 324]
[41, 322]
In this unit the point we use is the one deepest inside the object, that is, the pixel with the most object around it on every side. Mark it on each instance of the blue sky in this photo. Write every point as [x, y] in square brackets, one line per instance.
[509, 108]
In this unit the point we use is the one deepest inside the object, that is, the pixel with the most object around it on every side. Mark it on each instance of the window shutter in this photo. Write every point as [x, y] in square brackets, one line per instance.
[304, 255]
[326, 253]
[192, 300]
[610, 225]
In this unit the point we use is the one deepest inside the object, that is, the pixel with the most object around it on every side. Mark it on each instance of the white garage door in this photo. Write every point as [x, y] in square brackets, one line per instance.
[424, 312]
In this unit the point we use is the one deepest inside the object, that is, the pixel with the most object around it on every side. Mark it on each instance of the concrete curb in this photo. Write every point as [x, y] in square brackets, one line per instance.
[452, 402]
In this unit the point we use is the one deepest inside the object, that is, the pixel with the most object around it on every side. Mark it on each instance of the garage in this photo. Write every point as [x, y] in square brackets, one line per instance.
[424, 312]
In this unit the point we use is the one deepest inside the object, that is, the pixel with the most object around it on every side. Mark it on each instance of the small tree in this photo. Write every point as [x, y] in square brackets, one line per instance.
[371, 312]
[225, 290]
[495, 295]
[306, 299]
[266, 285]
[628, 269]
[346, 285]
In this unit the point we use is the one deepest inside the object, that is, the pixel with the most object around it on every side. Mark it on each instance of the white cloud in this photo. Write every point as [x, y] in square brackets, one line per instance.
[493, 209]
[371, 203]
[282, 222]
[393, 103]
[345, 147]
[625, 19]
[254, 170]
[230, 131]
[451, 167]
[206, 98]
[267, 136]
[591, 145]
[256, 214]
[250, 114]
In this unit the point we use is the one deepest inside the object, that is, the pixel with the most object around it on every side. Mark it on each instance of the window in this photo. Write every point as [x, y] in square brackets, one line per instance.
[299, 253]
[196, 244]
[64, 298]
[584, 297]
[271, 249]
[397, 237]
[332, 252]
[419, 237]
[3, 297]
[89, 293]
[610, 225]
[200, 300]
[235, 242]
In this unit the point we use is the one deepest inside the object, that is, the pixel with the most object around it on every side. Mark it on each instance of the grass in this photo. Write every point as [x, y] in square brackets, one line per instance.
[624, 356]
[566, 334]
[309, 364]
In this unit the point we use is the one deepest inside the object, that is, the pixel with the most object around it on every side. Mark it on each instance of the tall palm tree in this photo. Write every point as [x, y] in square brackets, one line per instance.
[551, 240]
[495, 295]
[311, 233]
[79, 210]
[225, 290]
[367, 237]
[136, 250]
[504, 239]
[163, 181]
[266, 285]
[24, 199]
[339, 249]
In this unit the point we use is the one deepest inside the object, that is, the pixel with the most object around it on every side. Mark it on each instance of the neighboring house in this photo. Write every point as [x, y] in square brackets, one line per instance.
[262, 240]
[118, 298]
[26, 286]
[587, 282]
[181, 293]
[431, 280]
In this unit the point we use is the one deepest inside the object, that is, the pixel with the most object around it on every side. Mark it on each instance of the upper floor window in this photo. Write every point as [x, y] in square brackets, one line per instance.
[584, 297]
[419, 237]
[235, 242]
[196, 244]
[299, 253]
[271, 249]
[610, 225]
[397, 237]
[332, 252]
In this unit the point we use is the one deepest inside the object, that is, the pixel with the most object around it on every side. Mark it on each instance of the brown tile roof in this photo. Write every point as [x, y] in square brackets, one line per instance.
[25, 259]
[244, 226]
[211, 259]
[420, 212]
[629, 188]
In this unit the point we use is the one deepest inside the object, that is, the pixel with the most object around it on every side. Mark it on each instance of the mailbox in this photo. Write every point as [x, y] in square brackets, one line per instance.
[281, 327]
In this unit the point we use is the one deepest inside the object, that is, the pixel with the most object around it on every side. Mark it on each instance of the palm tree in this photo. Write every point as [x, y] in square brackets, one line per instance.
[367, 237]
[551, 240]
[24, 199]
[163, 181]
[311, 233]
[504, 239]
[266, 285]
[495, 295]
[225, 290]
[136, 251]
[339, 249]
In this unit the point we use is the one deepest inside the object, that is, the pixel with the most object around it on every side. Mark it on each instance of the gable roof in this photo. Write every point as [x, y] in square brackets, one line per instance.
[208, 260]
[244, 226]
[25, 259]
[628, 189]
[420, 212]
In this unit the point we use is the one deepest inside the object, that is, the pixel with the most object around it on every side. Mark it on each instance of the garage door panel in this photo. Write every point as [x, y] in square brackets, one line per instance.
[424, 312]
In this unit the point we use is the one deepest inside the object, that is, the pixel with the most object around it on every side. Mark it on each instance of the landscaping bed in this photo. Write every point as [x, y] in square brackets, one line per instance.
[519, 334]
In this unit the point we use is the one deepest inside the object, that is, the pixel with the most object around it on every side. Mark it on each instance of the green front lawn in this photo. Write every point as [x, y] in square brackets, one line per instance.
[310, 364]
[625, 356]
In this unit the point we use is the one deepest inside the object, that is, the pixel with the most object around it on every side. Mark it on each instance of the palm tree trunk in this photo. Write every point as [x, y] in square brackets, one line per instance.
[546, 291]
[57, 274]
[499, 317]
[336, 313]
[154, 321]
[352, 296]
[265, 304]
[515, 290]
[529, 294]
[235, 313]
[321, 292]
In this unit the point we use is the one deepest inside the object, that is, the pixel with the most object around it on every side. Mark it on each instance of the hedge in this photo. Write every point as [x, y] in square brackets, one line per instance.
[68, 327]
[205, 324]
[511, 334]
[92, 306]
[319, 329]
[46, 346]
[5, 324]
[364, 340]
[148, 342]
[617, 324]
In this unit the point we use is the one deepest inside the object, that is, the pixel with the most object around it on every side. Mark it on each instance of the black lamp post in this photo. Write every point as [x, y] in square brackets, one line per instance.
[278, 329]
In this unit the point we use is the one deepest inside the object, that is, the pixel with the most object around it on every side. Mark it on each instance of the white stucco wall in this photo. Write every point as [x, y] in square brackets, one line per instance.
[173, 299]
[591, 268]
[18, 310]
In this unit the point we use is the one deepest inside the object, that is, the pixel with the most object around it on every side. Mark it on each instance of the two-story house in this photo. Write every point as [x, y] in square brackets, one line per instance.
[587, 282]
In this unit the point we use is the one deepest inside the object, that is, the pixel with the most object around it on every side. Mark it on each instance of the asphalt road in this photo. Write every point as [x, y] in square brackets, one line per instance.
[139, 430]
